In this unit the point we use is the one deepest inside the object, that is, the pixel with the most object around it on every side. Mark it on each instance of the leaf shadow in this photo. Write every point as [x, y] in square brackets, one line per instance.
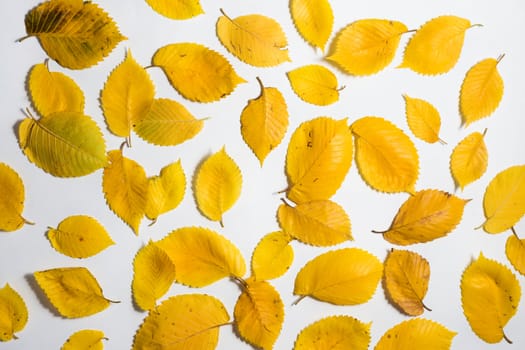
[40, 295]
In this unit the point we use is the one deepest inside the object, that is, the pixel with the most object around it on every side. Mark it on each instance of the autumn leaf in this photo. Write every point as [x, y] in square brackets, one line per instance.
[367, 46]
[212, 76]
[347, 276]
[176, 9]
[314, 20]
[272, 256]
[515, 251]
[423, 119]
[187, 321]
[334, 333]
[469, 159]
[264, 121]
[86, 339]
[490, 295]
[13, 313]
[79, 236]
[12, 199]
[254, 39]
[386, 157]
[76, 34]
[314, 84]
[259, 314]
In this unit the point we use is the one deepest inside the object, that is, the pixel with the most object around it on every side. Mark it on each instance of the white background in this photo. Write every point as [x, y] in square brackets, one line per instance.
[50, 199]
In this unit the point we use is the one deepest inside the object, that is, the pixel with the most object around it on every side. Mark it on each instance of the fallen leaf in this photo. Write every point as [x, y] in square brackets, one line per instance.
[86, 339]
[515, 251]
[469, 159]
[272, 256]
[314, 20]
[12, 199]
[423, 119]
[314, 84]
[176, 9]
[13, 313]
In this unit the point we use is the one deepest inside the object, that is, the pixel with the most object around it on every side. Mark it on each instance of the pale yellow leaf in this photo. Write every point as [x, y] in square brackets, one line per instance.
[314, 20]
[469, 159]
[314, 84]
[176, 9]
[515, 251]
[423, 119]
[272, 256]
[13, 313]
[86, 339]
[11, 200]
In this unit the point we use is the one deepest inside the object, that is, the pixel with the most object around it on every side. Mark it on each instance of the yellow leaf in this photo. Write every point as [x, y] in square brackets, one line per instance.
[423, 119]
[406, 279]
[125, 187]
[469, 159]
[417, 333]
[347, 276]
[201, 256]
[320, 223]
[79, 236]
[367, 46]
[272, 256]
[425, 216]
[73, 291]
[264, 121]
[490, 295]
[75, 33]
[167, 123]
[259, 314]
[176, 9]
[385, 156]
[63, 144]
[436, 45]
[314, 20]
[481, 91]
[334, 333]
[127, 96]
[13, 313]
[254, 39]
[53, 91]
[314, 84]
[187, 321]
[504, 199]
[218, 183]
[153, 275]
[318, 158]
[212, 77]
[11, 200]
[86, 339]
[515, 251]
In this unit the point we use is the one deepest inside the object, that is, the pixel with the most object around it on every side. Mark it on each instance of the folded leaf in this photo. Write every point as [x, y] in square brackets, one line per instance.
[86, 339]
[367, 46]
[272, 256]
[490, 295]
[13, 313]
[346, 276]
[11, 200]
[79, 236]
[75, 33]
[314, 20]
[314, 84]
[515, 251]
[177, 9]
[423, 119]
[469, 159]
[259, 314]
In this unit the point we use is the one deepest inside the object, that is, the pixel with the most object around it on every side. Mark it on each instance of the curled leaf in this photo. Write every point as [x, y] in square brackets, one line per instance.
[13, 313]
[176, 9]
[515, 251]
[469, 159]
[314, 20]
[314, 84]
[12, 199]
[423, 119]
[86, 339]
[272, 256]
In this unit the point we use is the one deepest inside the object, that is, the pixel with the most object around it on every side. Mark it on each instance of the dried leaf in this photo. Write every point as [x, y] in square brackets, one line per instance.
[13, 313]
[423, 119]
[11, 200]
[469, 159]
[515, 251]
[176, 9]
[314, 20]
[272, 256]
[314, 84]
[86, 339]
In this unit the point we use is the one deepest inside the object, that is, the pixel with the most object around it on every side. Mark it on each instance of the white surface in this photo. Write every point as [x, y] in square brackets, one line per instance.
[50, 199]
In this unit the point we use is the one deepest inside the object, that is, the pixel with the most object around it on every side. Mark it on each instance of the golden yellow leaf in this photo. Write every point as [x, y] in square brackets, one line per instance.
[259, 314]
[63, 144]
[187, 321]
[75, 33]
[86, 339]
[176, 9]
[436, 45]
[153, 275]
[202, 256]
[320, 223]
[218, 183]
[53, 91]
[425, 216]
[167, 123]
[318, 157]
[13, 313]
[385, 156]
[73, 291]
[481, 91]
[272, 256]
[254, 39]
[417, 333]
[126, 97]
[212, 77]
[515, 251]
[347, 276]
[125, 187]
[504, 199]
[79, 236]
[490, 295]
[406, 279]
[264, 121]
[334, 333]
[314, 20]
[469, 159]
[11, 200]
[314, 84]
[367, 46]
[423, 119]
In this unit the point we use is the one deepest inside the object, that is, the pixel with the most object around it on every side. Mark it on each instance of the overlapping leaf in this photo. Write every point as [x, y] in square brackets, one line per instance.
[177, 9]
[272, 256]
[314, 84]
[12, 199]
[469, 159]
[13, 313]
[314, 20]
[515, 251]
[86, 339]
[423, 119]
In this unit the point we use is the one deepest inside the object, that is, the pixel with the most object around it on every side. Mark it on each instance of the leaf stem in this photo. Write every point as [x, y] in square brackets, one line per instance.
[425, 307]
[506, 338]
[225, 15]
[299, 299]
[379, 232]
[23, 38]
[500, 57]
[514, 232]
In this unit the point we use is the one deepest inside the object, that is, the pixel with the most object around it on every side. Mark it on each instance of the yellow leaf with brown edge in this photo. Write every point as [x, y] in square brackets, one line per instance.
[367, 46]
[79, 236]
[259, 314]
[314, 20]
[12, 199]
[272, 256]
[176, 9]
[469, 159]
[490, 295]
[76, 34]
[85, 339]
[314, 84]
[423, 119]
[186, 321]
[254, 39]
[515, 251]
[13, 313]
